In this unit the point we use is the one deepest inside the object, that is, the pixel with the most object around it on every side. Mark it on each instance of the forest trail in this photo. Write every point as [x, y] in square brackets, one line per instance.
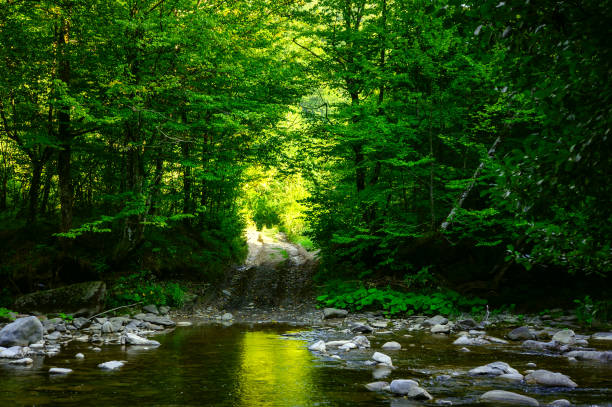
[276, 273]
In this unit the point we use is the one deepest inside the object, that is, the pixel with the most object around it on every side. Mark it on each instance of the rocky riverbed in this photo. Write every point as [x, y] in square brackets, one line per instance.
[430, 360]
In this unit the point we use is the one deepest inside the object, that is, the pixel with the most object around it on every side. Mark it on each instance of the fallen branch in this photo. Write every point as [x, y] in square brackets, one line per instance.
[114, 309]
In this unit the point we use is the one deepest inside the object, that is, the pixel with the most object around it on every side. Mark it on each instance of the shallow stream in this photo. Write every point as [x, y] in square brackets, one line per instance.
[270, 365]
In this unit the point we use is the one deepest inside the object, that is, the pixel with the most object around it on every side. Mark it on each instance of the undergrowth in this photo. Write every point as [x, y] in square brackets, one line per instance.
[142, 287]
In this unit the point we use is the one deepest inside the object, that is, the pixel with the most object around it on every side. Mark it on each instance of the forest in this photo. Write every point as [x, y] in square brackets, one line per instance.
[451, 149]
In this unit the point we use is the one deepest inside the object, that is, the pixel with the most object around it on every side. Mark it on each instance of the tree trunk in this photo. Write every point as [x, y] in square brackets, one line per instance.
[46, 190]
[37, 167]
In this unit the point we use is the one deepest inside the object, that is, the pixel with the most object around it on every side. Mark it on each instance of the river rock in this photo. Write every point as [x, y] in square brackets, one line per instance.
[601, 356]
[440, 329]
[53, 336]
[392, 346]
[537, 345]
[437, 320]
[361, 341]
[494, 369]
[560, 403]
[59, 370]
[167, 322]
[377, 386]
[380, 324]
[225, 317]
[318, 346]
[513, 377]
[334, 313]
[112, 365]
[361, 328]
[382, 358]
[493, 339]
[467, 324]
[184, 323]
[107, 328]
[507, 397]
[348, 346]
[333, 344]
[83, 299]
[467, 341]
[409, 388]
[79, 356]
[21, 362]
[566, 337]
[133, 339]
[80, 322]
[520, 334]
[151, 309]
[550, 379]
[164, 310]
[602, 336]
[21, 332]
[118, 323]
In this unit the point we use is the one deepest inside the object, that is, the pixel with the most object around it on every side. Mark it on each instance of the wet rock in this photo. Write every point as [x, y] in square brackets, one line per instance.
[361, 328]
[520, 334]
[531, 364]
[494, 369]
[493, 339]
[380, 324]
[79, 356]
[377, 386]
[83, 299]
[151, 309]
[102, 320]
[21, 332]
[513, 377]
[550, 379]
[361, 341]
[80, 322]
[409, 388]
[59, 370]
[133, 339]
[464, 350]
[566, 337]
[318, 346]
[184, 323]
[560, 403]
[467, 324]
[334, 313]
[112, 365]
[225, 317]
[437, 320]
[348, 346]
[382, 358]
[543, 346]
[392, 346]
[602, 336]
[333, 344]
[107, 328]
[164, 310]
[167, 322]
[507, 397]
[61, 327]
[601, 356]
[467, 341]
[21, 362]
[440, 329]
[118, 323]
[14, 352]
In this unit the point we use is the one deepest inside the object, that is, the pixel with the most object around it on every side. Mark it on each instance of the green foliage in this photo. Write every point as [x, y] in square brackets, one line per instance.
[589, 310]
[65, 317]
[6, 314]
[396, 303]
[142, 287]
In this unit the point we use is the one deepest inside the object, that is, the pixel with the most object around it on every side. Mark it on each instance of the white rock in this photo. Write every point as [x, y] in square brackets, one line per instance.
[392, 346]
[133, 339]
[377, 386]
[440, 329]
[14, 352]
[59, 370]
[566, 337]
[546, 378]
[513, 377]
[348, 346]
[112, 365]
[24, 361]
[184, 323]
[318, 346]
[79, 356]
[382, 358]
[602, 336]
[333, 344]
[227, 316]
[506, 397]
[361, 341]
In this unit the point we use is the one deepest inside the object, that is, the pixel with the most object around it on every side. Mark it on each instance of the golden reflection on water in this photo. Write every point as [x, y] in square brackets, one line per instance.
[273, 372]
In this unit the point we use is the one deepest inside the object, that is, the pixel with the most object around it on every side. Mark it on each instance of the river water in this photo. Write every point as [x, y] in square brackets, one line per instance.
[270, 365]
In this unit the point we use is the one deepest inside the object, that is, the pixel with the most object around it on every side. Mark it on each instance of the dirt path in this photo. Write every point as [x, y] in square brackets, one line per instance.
[271, 251]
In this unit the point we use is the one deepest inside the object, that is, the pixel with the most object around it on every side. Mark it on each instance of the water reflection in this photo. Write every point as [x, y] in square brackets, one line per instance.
[273, 372]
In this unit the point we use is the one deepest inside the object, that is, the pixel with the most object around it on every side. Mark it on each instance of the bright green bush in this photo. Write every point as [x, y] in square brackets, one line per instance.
[142, 287]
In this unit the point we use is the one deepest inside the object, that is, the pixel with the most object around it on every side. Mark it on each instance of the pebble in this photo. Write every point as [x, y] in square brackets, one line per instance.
[59, 370]
[392, 346]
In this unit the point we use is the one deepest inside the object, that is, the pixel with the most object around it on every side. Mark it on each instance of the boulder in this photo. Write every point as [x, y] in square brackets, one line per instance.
[80, 322]
[566, 337]
[537, 345]
[520, 334]
[133, 339]
[467, 324]
[83, 299]
[549, 379]
[382, 358]
[164, 309]
[361, 341]
[107, 328]
[334, 313]
[494, 369]
[361, 328]
[440, 329]
[377, 386]
[437, 320]
[318, 346]
[602, 336]
[348, 346]
[409, 388]
[512, 377]
[600, 356]
[167, 322]
[392, 346]
[507, 397]
[59, 370]
[151, 309]
[112, 365]
[22, 332]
